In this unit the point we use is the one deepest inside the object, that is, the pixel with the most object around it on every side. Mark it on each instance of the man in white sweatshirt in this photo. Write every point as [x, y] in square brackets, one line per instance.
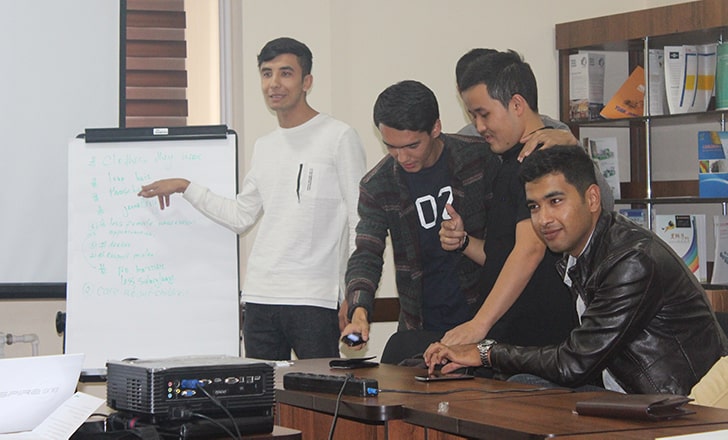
[303, 184]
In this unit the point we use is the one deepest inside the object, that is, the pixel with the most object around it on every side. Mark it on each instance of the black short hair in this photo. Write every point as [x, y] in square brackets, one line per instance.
[504, 74]
[283, 45]
[407, 105]
[569, 160]
[467, 59]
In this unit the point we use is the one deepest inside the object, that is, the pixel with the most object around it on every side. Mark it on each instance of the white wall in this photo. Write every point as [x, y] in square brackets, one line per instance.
[362, 47]
[203, 62]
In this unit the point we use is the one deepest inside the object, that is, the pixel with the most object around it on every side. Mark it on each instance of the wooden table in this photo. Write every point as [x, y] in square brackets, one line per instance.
[650, 433]
[382, 416]
[544, 416]
[479, 408]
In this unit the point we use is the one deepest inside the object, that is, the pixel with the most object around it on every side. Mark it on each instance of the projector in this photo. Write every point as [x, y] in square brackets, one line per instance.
[160, 390]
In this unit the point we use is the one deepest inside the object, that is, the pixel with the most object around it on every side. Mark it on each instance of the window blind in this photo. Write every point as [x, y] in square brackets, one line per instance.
[154, 77]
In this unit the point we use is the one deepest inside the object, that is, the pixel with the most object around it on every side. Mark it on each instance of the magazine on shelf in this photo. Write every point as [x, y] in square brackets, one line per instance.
[629, 101]
[721, 77]
[586, 85]
[690, 77]
[681, 65]
[656, 83]
[604, 152]
[637, 215]
[707, 56]
[685, 234]
[720, 260]
[713, 163]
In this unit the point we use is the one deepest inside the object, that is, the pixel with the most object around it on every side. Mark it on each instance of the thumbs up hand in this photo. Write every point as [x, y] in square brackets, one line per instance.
[452, 231]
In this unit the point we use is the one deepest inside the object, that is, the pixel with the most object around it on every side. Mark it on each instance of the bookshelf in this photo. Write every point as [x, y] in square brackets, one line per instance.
[635, 33]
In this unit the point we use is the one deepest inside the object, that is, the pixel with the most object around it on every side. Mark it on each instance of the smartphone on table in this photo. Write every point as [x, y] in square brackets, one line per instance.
[438, 377]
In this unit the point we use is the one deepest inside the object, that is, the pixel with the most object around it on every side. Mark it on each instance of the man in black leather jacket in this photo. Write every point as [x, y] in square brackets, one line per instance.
[645, 322]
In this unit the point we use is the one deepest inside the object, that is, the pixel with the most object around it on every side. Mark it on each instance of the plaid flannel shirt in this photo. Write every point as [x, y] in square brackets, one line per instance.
[385, 207]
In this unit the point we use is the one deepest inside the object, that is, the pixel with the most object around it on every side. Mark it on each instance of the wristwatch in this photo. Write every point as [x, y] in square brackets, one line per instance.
[464, 244]
[484, 347]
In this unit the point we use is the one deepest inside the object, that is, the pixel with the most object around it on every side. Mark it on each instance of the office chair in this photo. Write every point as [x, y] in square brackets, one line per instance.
[408, 344]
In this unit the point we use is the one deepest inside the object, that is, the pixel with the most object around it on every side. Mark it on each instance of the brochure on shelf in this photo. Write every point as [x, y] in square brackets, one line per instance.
[713, 163]
[586, 85]
[681, 70]
[707, 56]
[690, 77]
[720, 259]
[629, 100]
[721, 77]
[685, 234]
[656, 83]
[604, 152]
[637, 215]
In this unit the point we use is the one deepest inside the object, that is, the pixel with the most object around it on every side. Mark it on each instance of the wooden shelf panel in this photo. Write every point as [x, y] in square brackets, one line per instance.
[718, 297]
[670, 201]
[675, 189]
[617, 32]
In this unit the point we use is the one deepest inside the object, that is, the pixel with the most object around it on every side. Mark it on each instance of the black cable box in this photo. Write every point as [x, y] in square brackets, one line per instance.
[330, 383]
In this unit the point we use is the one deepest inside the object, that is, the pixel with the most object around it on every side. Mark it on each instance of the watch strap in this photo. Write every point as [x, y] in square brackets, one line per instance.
[484, 347]
[464, 244]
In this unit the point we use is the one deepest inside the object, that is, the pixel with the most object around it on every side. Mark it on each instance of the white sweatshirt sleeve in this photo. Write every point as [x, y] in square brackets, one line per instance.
[238, 215]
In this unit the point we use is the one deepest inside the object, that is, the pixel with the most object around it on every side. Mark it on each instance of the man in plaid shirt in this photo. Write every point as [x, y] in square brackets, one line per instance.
[405, 195]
